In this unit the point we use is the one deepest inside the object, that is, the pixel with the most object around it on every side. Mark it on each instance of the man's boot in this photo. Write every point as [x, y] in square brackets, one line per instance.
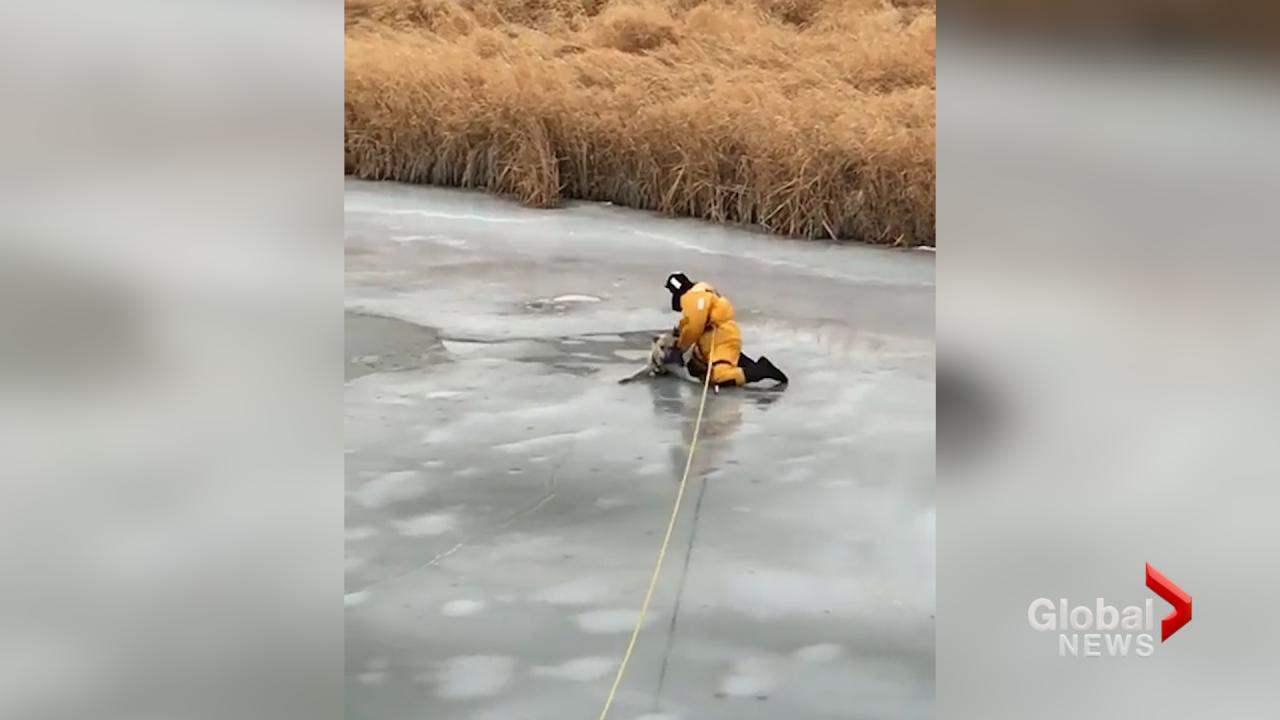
[762, 369]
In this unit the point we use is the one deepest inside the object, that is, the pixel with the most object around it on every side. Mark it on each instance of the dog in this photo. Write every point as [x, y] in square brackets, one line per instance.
[688, 367]
[659, 351]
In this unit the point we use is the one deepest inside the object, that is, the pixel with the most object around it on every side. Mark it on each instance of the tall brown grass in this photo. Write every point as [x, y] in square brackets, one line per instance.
[805, 117]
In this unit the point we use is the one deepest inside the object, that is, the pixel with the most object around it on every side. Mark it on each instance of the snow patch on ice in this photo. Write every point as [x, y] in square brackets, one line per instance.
[464, 347]
[427, 525]
[393, 487]
[602, 622]
[742, 685]
[474, 676]
[444, 216]
[356, 598]
[750, 677]
[461, 608]
[575, 298]
[360, 532]
[822, 653]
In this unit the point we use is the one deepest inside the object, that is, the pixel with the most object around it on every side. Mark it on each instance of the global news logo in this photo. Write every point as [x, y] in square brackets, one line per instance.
[1104, 630]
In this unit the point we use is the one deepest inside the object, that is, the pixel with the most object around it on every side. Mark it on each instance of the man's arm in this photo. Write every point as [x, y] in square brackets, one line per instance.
[694, 308]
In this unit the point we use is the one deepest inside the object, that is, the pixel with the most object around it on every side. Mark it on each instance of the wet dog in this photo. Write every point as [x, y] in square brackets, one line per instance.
[658, 351]
[658, 364]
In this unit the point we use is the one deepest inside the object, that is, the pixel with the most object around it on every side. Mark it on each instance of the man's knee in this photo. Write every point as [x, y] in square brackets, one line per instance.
[724, 373]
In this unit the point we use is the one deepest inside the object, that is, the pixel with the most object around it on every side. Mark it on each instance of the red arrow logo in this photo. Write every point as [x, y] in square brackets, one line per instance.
[1175, 596]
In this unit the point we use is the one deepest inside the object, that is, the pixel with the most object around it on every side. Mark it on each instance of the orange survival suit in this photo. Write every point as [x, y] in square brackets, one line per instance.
[702, 309]
[707, 325]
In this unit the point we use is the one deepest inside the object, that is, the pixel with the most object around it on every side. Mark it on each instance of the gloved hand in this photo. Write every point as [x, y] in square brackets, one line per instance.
[696, 368]
[673, 356]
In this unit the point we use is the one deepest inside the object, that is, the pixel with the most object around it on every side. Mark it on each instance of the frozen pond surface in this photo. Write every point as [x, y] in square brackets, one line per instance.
[505, 496]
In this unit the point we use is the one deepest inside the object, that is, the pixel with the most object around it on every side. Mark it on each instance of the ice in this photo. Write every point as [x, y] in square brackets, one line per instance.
[461, 608]
[513, 591]
[468, 677]
[425, 525]
[579, 670]
[609, 621]
[391, 488]
[575, 592]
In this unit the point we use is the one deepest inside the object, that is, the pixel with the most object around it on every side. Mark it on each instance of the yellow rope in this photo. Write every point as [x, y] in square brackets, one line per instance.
[662, 551]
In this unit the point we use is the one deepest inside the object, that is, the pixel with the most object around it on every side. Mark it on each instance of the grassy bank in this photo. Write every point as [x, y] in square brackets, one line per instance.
[806, 117]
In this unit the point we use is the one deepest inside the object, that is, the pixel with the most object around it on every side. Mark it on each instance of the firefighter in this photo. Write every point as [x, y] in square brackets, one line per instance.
[707, 325]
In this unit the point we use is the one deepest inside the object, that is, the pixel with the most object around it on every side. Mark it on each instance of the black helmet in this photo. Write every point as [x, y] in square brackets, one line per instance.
[678, 284]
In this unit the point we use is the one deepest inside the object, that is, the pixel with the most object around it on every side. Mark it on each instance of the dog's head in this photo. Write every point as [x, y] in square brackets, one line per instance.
[658, 351]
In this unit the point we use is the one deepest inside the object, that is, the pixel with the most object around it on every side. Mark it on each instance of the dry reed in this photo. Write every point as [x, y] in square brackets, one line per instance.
[805, 117]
